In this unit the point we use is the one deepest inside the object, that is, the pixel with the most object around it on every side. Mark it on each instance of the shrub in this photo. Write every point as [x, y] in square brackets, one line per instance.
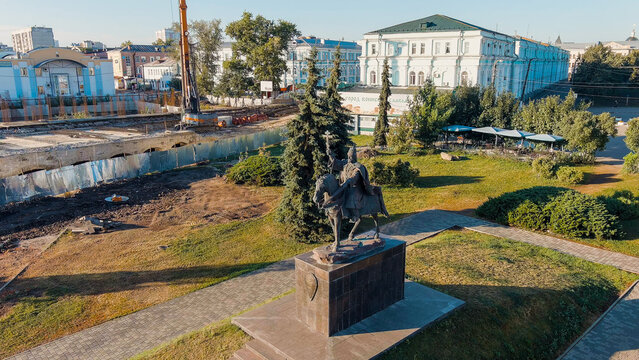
[582, 216]
[622, 204]
[563, 211]
[631, 164]
[570, 175]
[401, 173]
[497, 209]
[528, 215]
[256, 170]
[545, 167]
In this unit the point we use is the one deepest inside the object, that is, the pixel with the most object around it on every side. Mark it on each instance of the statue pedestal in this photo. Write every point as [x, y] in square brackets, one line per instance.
[332, 298]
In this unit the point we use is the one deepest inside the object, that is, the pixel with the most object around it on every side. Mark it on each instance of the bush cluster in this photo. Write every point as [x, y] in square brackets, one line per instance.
[257, 170]
[631, 163]
[569, 175]
[562, 211]
[621, 203]
[401, 173]
[545, 167]
[558, 168]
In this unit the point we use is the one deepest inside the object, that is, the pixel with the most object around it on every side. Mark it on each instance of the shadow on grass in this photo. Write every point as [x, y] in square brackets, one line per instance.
[112, 282]
[513, 322]
[598, 179]
[430, 182]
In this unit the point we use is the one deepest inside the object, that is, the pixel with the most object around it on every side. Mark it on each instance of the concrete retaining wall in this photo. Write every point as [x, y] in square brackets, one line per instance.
[70, 178]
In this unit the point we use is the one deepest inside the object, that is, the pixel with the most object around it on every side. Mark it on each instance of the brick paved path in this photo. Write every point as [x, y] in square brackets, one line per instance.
[129, 335]
[146, 329]
[614, 336]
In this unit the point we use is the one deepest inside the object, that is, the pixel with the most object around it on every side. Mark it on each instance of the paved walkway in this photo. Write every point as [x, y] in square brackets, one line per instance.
[614, 336]
[129, 335]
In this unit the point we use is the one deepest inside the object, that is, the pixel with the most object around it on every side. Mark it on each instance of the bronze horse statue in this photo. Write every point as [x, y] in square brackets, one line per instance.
[330, 197]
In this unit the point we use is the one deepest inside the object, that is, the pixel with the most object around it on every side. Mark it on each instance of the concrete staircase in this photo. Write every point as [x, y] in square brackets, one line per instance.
[257, 350]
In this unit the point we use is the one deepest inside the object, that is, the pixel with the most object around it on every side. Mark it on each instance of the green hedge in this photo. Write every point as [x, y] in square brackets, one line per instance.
[570, 176]
[401, 173]
[257, 170]
[560, 210]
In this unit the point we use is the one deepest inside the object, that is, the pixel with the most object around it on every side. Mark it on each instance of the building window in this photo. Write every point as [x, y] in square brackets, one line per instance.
[413, 49]
[373, 49]
[38, 72]
[420, 78]
[466, 47]
[464, 78]
[438, 48]
[422, 49]
[390, 50]
[143, 59]
[373, 78]
[24, 72]
[447, 48]
[411, 78]
[92, 71]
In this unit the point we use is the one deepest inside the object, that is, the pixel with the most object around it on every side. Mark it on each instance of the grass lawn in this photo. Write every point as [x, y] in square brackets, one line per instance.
[83, 281]
[522, 302]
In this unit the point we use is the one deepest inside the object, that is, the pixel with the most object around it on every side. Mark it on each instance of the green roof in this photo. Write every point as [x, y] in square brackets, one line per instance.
[430, 24]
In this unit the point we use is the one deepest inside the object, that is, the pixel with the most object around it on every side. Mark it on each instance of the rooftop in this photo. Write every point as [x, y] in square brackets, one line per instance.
[162, 63]
[326, 43]
[144, 48]
[432, 23]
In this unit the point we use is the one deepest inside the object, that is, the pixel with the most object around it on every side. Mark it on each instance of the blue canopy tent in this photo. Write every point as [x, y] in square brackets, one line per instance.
[457, 129]
[546, 138]
[489, 130]
[516, 134]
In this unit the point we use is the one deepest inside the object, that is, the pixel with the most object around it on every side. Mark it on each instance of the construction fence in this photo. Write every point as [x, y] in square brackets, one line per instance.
[70, 107]
[77, 177]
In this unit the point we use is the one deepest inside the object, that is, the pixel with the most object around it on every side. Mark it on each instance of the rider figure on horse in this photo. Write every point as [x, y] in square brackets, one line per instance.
[355, 185]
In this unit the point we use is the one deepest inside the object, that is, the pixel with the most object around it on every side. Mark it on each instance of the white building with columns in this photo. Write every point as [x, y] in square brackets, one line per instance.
[452, 53]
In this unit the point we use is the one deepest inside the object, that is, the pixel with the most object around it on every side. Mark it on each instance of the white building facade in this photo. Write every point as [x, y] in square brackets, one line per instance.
[296, 63]
[32, 38]
[453, 53]
[299, 50]
[54, 72]
[166, 35]
[159, 73]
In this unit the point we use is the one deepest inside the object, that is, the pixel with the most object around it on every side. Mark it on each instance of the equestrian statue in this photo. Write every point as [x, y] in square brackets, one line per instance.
[349, 197]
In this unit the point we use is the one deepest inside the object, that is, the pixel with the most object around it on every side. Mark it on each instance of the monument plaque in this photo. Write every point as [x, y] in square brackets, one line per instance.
[332, 297]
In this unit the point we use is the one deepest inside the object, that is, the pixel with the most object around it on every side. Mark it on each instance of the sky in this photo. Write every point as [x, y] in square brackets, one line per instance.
[115, 21]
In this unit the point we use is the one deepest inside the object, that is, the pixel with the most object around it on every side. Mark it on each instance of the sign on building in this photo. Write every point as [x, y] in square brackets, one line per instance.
[266, 86]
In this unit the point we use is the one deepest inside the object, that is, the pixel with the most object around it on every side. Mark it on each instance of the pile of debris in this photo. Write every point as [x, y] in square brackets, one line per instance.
[88, 225]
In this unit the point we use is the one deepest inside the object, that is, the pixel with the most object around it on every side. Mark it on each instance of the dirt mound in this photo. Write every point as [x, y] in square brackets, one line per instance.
[189, 195]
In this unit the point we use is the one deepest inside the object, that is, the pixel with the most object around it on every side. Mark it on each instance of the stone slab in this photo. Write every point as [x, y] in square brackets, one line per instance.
[331, 298]
[276, 325]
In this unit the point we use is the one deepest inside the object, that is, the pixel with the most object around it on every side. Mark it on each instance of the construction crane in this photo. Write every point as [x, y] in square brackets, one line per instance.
[192, 116]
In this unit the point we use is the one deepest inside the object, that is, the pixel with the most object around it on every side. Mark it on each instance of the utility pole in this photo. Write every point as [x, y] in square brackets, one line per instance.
[523, 90]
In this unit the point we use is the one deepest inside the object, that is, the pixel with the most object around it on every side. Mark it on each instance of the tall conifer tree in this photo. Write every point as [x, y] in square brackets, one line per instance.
[337, 118]
[381, 127]
[304, 161]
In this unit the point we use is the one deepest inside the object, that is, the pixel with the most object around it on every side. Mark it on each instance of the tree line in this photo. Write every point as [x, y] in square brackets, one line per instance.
[258, 50]
[430, 110]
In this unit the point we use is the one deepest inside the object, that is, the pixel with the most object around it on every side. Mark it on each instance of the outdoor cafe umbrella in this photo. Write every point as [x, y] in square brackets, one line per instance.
[456, 129]
[552, 139]
[489, 130]
[546, 138]
[516, 134]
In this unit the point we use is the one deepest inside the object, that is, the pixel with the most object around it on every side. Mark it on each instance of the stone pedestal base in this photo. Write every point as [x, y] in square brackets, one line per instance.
[332, 298]
[279, 335]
